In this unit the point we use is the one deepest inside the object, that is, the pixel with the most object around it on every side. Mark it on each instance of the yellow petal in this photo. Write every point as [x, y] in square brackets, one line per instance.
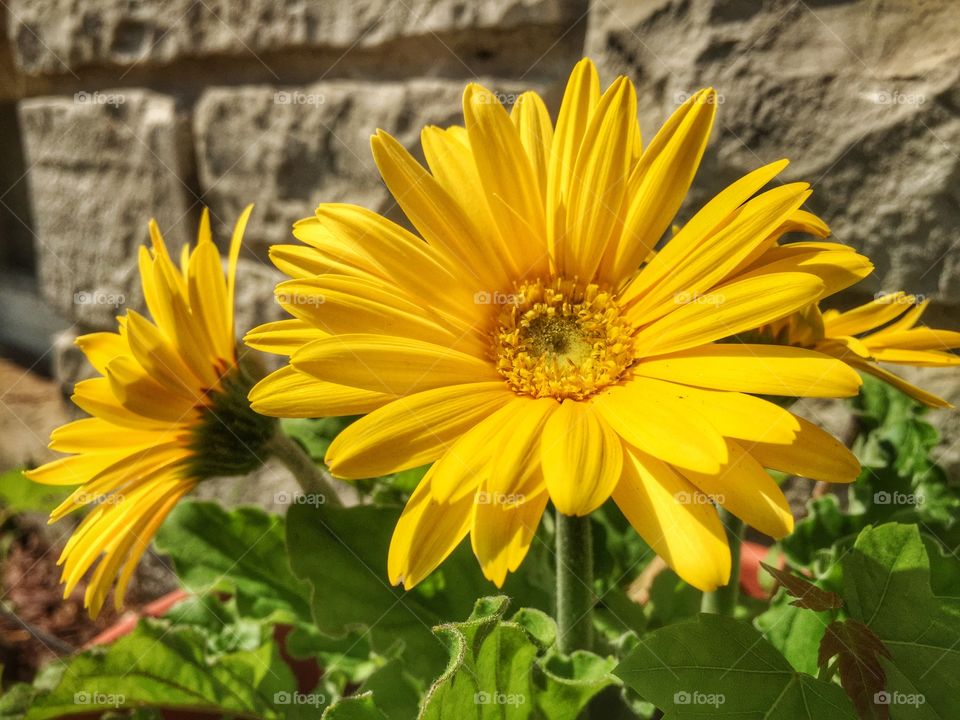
[674, 519]
[399, 256]
[502, 532]
[599, 183]
[918, 394]
[837, 267]
[579, 99]
[653, 416]
[581, 458]
[727, 310]
[96, 398]
[919, 358]
[283, 337]
[341, 305]
[102, 347]
[756, 369]
[290, 393]
[869, 316]
[744, 488]
[388, 364]
[517, 461]
[530, 117]
[713, 259]
[814, 454]
[414, 430]
[233, 257]
[94, 434]
[434, 213]
[470, 460]
[713, 216]
[664, 174]
[737, 415]
[426, 533]
[508, 181]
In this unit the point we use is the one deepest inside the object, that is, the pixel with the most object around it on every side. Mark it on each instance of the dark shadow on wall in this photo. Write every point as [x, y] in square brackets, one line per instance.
[16, 222]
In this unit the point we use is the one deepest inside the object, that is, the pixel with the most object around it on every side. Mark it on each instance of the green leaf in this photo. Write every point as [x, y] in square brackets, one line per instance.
[314, 435]
[15, 702]
[887, 587]
[717, 666]
[357, 707]
[162, 666]
[342, 552]
[793, 631]
[19, 494]
[240, 551]
[572, 682]
[501, 669]
[489, 671]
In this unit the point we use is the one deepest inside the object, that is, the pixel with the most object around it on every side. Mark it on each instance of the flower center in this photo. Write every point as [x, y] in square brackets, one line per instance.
[562, 339]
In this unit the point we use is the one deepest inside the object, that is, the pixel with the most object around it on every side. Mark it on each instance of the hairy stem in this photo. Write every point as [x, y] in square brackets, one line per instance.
[574, 583]
[313, 480]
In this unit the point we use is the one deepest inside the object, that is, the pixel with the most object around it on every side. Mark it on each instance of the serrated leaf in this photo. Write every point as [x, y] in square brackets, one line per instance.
[717, 666]
[356, 707]
[808, 595]
[500, 669]
[886, 580]
[858, 651]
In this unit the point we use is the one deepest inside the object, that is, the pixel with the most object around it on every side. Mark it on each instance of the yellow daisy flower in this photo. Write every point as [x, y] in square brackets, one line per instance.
[884, 330]
[169, 410]
[517, 347]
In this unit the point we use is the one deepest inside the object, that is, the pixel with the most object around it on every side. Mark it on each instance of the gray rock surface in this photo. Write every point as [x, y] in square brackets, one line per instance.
[57, 36]
[290, 149]
[102, 164]
[863, 97]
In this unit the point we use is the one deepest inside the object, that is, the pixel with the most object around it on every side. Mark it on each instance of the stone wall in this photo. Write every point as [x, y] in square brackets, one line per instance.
[112, 111]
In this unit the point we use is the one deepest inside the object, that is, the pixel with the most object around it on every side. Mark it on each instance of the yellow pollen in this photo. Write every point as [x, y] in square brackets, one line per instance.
[562, 339]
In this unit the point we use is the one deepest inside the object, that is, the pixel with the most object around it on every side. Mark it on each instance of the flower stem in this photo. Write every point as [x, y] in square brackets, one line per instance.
[723, 600]
[574, 583]
[313, 481]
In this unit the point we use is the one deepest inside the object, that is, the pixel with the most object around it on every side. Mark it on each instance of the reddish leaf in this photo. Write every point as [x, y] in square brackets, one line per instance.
[862, 677]
[807, 594]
